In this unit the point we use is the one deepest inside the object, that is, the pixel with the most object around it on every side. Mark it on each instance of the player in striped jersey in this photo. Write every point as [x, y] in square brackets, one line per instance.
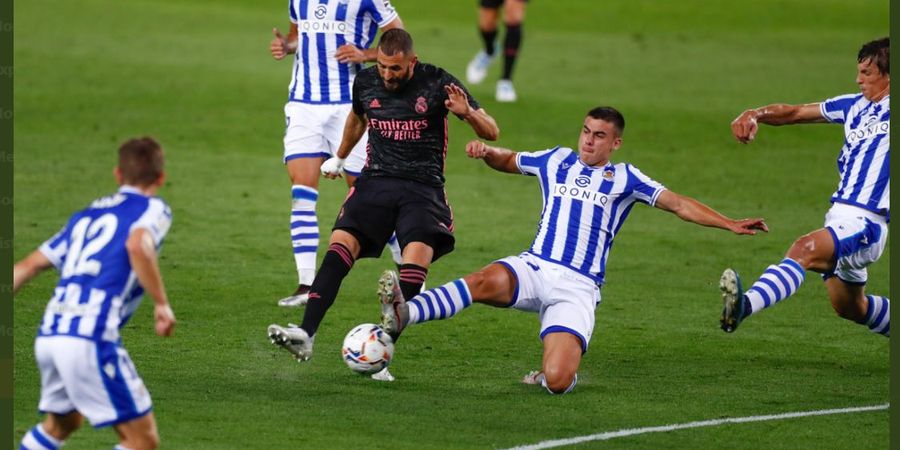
[330, 40]
[855, 228]
[106, 256]
[586, 200]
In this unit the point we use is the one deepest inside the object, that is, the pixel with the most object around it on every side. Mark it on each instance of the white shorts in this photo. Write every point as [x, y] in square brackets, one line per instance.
[316, 131]
[96, 379]
[859, 240]
[564, 299]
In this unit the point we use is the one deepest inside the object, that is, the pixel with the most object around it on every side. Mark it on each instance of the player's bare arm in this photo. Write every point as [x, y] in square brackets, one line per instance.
[354, 128]
[500, 159]
[349, 53]
[480, 121]
[28, 268]
[745, 126]
[142, 255]
[691, 210]
[282, 46]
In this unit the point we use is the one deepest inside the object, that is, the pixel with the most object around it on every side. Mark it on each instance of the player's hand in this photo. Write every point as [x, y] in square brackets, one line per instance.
[278, 47]
[164, 318]
[744, 127]
[749, 226]
[349, 53]
[332, 167]
[476, 149]
[457, 100]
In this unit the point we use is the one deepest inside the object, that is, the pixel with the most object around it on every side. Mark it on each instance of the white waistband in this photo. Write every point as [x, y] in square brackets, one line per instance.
[843, 208]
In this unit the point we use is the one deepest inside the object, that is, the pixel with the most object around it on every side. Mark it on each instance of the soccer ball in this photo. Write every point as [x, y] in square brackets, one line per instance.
[367, 348]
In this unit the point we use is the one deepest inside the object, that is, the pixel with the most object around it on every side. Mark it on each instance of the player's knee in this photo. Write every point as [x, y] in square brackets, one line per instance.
[558, 379]
[803, 251]
[813, 251]
[479, 286]
[491, 285]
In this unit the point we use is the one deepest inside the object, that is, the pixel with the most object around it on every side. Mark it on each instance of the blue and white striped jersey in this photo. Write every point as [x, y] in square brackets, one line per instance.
[97, 290]
[322, 27]
[864, 162]
[584, 207]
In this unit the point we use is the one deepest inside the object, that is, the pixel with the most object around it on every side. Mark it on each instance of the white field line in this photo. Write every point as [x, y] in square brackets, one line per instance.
[704, 423]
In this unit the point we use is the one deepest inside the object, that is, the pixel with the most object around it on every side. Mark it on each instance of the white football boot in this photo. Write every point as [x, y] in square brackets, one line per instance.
[383, 375]
[293, 339]
[505, 93]
[733, 305]
[477, 69]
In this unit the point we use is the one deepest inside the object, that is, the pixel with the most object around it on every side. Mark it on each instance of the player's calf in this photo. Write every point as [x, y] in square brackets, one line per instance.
[558, 379]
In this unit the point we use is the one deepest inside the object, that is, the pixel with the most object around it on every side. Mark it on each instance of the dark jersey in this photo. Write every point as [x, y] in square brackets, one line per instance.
[408, 128]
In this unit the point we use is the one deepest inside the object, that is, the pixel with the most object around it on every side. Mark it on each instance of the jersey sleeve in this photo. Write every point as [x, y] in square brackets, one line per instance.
[156, 219]
[835, 109]
[56, 247]
[531, 163]
[356, 97]
[293, 14]
[643, 188]
[382, 11]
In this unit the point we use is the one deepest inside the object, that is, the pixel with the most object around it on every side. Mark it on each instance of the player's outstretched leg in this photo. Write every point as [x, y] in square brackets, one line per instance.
[778, 282]
[394, 310]
[293, 339]
[878, 315]
[442, 302]
[734, 303]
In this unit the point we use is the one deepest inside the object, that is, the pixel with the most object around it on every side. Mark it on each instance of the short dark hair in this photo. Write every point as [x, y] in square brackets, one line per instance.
[140, 161]
[611, 115]
[878, 52]
[396, 40]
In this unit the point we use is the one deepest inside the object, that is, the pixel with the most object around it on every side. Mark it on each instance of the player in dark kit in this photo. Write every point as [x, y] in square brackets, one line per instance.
[404, 104]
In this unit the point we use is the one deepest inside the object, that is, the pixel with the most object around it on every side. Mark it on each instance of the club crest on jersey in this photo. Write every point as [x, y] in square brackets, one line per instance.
[608, 175]
[374, 103]
[421, 105]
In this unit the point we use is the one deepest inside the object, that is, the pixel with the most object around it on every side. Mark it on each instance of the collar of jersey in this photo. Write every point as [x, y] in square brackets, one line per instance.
[129, 189]
[608, 164]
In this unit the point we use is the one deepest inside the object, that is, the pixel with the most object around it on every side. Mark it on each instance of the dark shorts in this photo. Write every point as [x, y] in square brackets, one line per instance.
[494, 4]
[377, 206]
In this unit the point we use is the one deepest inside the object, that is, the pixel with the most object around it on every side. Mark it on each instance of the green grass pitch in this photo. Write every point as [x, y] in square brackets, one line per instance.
[197, 75]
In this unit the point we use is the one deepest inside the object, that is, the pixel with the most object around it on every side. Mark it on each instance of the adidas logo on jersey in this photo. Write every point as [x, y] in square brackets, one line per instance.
[375, 104]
